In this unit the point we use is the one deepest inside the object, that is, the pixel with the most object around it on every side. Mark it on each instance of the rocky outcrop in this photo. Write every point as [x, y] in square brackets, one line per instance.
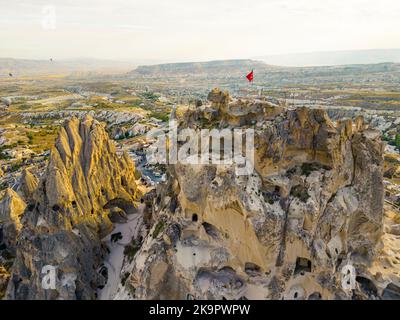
[67, 216]
[11, 209]
[225, 110]
[110, 117]
[27, 185]
[312, 207]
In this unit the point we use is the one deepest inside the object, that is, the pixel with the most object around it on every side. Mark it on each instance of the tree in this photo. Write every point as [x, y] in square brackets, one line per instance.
[397, 141]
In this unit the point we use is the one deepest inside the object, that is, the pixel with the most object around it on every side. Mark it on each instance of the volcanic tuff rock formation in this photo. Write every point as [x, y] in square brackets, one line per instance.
[235, 113]
[109, 116]
[313, 204]
[11, 209]
[27, 185]
[67, 215]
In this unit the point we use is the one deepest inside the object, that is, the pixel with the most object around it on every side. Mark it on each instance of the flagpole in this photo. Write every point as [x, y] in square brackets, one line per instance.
[250, 78]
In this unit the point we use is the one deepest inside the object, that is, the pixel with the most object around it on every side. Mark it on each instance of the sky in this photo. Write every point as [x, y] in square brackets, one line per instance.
[193, 30]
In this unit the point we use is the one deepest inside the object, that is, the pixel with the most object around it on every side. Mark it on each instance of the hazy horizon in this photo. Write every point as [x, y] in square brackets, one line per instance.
[180, 30]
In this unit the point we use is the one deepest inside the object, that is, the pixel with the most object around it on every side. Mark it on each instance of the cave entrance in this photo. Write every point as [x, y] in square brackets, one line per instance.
[125, 205]
[367, 286]
[303, 265]
[252, 269]
[195, 217]
[271, 193]
[315, 296]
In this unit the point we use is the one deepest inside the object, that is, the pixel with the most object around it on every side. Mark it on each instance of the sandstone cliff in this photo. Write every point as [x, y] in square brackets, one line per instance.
[68, 214]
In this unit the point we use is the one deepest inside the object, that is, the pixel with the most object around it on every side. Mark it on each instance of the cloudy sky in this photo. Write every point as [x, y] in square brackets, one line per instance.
[185, 30]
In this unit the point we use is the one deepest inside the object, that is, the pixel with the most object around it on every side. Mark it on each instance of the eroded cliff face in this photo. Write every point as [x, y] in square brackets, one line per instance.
[68, 214]
[313, 205]
[27, 185]
[12, 207]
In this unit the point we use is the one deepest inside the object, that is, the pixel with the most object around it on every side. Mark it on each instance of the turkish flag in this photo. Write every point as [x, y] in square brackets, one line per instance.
[250, 76]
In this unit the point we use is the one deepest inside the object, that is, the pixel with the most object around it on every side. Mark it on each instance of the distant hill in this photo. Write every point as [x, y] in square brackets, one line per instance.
[333, 58]
[265, 73]
[381, 72]
[24, 67]
[232, 70]
[217, 68]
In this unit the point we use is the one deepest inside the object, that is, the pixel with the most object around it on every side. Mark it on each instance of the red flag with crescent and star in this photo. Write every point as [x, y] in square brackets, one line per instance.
[250, 76]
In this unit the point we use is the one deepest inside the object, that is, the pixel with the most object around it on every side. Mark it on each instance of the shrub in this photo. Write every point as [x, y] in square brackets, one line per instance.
[131, 249]
[159, 227]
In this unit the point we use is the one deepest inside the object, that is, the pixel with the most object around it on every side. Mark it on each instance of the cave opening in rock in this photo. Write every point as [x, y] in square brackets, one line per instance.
[367, 286]
[227, 269]
[302, 265]
[315, 296]
[300, 192]
[308, 167]
[74, 205]
[252, 269]
[173, 204]
[195, 218]
[123, 204]
[391, 292]
[190, 297]
[116, 237]
[339, 262]
[271, 194]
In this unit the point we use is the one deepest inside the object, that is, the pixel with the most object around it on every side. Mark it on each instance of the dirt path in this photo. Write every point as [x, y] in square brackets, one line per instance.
[115, 259]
